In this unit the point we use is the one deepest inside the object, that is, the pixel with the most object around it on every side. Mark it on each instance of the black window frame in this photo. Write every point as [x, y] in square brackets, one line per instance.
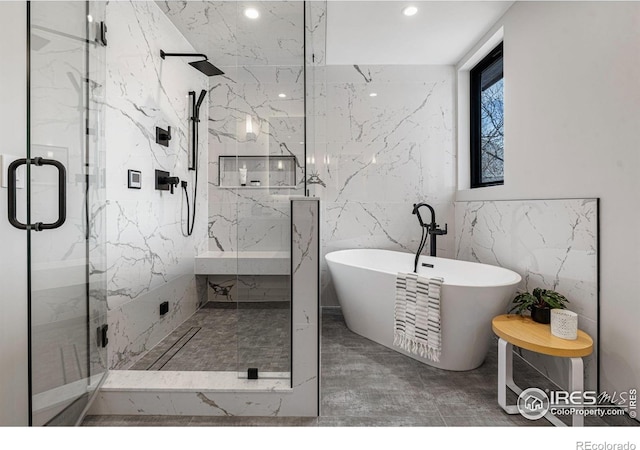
[475, 76]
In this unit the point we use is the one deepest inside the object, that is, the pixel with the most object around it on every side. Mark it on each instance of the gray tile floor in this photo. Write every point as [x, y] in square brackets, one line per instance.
[366, 384]
[226, 337]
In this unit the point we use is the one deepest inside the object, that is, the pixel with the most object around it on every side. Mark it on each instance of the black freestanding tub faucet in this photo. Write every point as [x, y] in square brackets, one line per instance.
[432, 229]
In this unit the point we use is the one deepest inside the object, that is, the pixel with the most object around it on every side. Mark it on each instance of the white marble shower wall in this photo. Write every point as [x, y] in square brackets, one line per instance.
[375, 156]
[254, 219]
[150, 259]
[259, 217]
[248, 288]
[552, 244]
[264, 84]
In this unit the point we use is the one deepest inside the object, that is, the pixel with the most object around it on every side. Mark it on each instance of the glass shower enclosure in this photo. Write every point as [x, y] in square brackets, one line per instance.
[56, 197]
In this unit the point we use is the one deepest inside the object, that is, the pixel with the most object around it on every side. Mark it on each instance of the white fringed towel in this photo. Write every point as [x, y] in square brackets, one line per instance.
[417, 315]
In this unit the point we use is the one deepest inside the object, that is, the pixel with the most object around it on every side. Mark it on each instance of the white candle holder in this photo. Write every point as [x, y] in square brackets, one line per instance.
[564, 324]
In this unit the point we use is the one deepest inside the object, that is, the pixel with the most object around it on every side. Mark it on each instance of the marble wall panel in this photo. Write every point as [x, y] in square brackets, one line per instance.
[135, 327]
[316, 32]
[261, 215]
[263, 83]
[249, 288]
[376, 156]
[552, 244]
[149, 256]
[264, 80]
[305, 298]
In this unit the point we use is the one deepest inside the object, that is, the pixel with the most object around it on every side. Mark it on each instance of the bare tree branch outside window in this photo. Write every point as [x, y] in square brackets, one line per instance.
[492, 133]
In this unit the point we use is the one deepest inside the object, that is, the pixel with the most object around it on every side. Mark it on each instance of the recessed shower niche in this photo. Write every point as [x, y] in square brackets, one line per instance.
[257, 171]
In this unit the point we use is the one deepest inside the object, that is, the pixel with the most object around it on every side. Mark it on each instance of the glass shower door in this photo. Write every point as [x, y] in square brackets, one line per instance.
[270, 145]
[65, 209]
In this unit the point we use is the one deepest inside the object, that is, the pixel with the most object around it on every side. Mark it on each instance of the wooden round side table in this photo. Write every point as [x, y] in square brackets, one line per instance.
[513, 329]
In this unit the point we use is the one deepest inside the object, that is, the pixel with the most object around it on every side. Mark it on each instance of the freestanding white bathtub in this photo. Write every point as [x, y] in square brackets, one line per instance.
[472, 294]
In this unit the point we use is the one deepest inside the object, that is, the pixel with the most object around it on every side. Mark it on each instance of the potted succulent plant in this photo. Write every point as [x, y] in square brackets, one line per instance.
[540, 303]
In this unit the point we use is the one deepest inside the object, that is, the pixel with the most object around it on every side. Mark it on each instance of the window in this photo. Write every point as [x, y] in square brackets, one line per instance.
[487, 121]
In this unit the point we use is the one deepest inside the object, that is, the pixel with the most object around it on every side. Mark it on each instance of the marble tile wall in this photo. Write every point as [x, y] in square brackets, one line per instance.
[376, 156]
[249, 288]
[149, 257]
[305, 299]
[263, 83]
[552, 244]
[249, 219]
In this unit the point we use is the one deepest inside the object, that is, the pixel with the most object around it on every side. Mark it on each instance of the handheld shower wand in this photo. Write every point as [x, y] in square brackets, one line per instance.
[196, 104]
[195, 120]
[196, 113]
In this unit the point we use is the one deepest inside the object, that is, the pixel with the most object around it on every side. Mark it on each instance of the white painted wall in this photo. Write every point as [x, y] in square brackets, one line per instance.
[572, 116]
[13, 242]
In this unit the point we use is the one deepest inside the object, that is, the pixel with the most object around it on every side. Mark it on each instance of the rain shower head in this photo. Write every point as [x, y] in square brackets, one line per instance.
[203, 66]
[206, 68]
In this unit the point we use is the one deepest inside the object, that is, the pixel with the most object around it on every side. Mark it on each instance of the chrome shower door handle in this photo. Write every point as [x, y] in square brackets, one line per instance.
[62, 194]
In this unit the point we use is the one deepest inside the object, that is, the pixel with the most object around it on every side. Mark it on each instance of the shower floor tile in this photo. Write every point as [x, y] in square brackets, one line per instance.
[225, 337]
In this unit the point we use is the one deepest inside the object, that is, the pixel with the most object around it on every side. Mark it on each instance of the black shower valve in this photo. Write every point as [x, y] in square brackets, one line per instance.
[165, 182]
[172, 182]
[163, 136]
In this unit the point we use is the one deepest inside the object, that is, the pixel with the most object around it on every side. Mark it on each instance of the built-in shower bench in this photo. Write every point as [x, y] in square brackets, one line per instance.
[243, 263]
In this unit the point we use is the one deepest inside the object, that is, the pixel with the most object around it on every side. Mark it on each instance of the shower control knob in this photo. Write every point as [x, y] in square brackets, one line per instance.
[172, 182]
[165, 182]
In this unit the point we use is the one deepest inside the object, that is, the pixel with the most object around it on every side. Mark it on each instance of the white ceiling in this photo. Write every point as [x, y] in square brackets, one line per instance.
[376, 32]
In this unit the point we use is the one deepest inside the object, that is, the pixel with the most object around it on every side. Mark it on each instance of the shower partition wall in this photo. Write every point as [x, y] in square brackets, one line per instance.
[56, 196]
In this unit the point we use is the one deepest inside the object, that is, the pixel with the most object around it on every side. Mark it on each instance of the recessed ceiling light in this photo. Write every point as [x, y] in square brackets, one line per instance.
[410, 11]
[373, 94]
[251, 13]
[283, 95]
